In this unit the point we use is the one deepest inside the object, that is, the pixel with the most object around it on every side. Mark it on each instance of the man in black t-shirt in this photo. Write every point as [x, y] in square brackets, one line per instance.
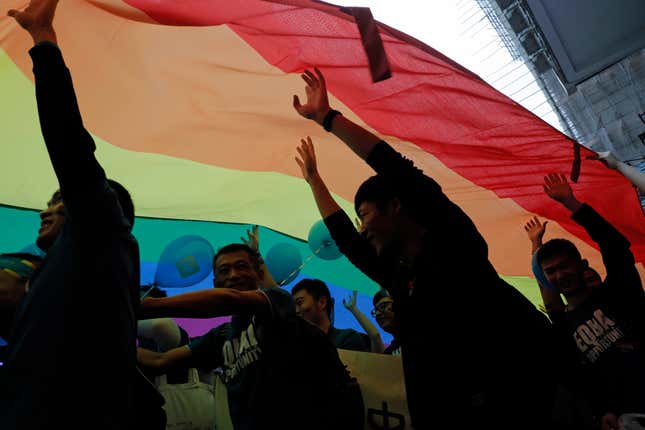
[315, 304]
[465, 332]
[280, 371]
[90, 273]
[602, 329]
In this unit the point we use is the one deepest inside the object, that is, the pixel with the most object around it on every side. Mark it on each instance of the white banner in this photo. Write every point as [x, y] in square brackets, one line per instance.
[381, 379]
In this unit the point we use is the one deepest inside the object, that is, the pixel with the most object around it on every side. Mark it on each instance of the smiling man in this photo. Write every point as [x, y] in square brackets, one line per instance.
[384, 313]
[464, 332]
[279, 370]
[315, 304]
[602, 329]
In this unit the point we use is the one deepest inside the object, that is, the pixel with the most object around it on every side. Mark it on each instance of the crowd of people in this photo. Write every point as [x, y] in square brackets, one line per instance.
[74, 318]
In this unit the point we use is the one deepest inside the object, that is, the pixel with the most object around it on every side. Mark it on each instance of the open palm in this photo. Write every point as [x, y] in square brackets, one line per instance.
[307, 160]
[317, 104]
[37, 16]
[557, 187]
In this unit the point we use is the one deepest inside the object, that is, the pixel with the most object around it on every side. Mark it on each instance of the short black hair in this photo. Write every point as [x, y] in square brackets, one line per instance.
[380, 295]
[377, 190]
[555, 247]
[317, 289]
[256, 261]
[125, 200]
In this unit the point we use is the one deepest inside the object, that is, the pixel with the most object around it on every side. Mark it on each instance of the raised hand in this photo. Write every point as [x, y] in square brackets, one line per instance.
[37, 18]
[535, 230]
[307, 160]
[350, 301]
[317, 104]
[557, 187]
[606, 158]
[252, 239]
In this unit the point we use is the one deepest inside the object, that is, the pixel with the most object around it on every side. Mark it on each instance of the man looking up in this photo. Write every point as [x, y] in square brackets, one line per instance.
[482, 333]
[87, 285]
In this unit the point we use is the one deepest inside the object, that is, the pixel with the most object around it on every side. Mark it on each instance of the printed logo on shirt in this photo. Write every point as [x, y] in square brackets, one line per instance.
[596, 336]
[239, 353]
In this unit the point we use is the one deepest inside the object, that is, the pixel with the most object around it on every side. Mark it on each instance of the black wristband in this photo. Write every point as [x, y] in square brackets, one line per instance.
[329, 118]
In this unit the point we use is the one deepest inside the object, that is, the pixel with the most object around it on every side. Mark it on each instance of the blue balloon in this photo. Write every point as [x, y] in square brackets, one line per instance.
[186, 261]
[284, 262]
[321, 243]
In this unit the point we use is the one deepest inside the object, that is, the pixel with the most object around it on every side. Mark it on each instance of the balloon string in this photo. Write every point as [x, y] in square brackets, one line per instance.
[152, 287]
[304, 263]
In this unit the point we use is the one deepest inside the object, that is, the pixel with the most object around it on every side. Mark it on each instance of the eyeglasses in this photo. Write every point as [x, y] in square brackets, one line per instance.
[381, 308]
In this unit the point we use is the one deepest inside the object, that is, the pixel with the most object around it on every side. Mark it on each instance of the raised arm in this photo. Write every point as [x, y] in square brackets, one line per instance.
[317, 109]
[252, 240]
[550, 296]
[347, 238]
[420, 194]
[376, 343]
[614, 247]
[309, 168]
[206, 304]
[71, 148]
[630, 173]
[535, 231]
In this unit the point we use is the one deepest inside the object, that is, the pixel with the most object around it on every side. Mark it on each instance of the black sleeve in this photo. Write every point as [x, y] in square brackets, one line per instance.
[282, 307]
[207, 349]
[83, 185]
[354, 246]
[426, 202]
[614, 248]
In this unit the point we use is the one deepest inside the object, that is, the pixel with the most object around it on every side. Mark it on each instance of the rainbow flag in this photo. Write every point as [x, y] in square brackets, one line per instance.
[190, 104]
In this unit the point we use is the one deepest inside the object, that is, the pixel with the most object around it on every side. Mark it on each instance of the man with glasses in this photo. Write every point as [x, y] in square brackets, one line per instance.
[384, 313]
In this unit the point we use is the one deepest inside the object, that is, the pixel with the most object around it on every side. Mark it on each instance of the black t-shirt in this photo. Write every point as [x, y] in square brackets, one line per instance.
[604, 337]
[86, 288]
[278, 369]
[464, 330]
[347, 338]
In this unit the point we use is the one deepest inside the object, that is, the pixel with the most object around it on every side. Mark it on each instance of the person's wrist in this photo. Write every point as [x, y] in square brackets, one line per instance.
[572, 204]
[46, 34]
[315, 179]
[330, 117]
[320, 115]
